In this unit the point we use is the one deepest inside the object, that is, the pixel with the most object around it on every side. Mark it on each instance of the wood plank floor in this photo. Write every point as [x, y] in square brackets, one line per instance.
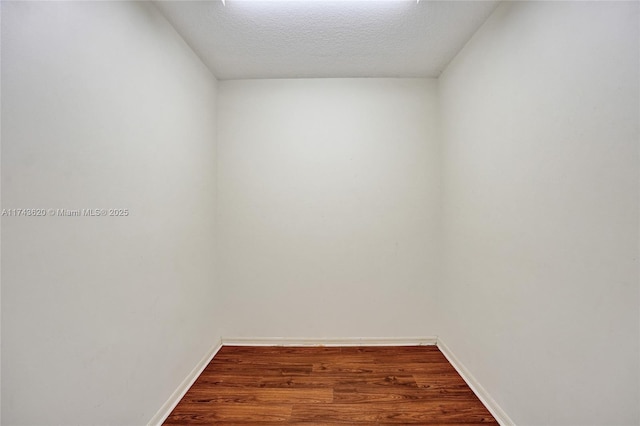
[329, 385]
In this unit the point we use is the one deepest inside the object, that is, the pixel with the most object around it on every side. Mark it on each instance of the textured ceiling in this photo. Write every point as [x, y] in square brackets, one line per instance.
[324, 38]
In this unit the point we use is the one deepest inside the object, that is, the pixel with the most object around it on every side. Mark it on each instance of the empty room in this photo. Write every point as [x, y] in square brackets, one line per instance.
[320, 212]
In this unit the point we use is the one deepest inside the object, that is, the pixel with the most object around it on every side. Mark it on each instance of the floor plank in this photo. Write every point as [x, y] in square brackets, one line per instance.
[329, 385]
[224, 413]
[424, 412]
[259, 395]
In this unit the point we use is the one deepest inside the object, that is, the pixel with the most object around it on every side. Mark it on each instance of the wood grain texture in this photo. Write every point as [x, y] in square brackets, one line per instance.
[329, 385]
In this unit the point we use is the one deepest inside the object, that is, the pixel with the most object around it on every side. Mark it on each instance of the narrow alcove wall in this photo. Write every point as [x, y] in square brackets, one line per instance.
[103, 107]
[329, 207]
[540, 118]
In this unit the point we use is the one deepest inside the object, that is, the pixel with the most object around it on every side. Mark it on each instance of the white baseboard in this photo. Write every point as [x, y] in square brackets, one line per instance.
[346, 341]
[496, 411]
[182, 389]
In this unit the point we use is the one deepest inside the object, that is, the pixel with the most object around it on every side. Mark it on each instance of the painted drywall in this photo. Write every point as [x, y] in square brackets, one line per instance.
[540, 176]
[103, 107]
[0, 218]
[328, 207]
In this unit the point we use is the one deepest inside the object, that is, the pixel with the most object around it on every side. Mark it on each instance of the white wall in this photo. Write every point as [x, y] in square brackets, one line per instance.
[540, 123]
[328, 207]
[103, 106]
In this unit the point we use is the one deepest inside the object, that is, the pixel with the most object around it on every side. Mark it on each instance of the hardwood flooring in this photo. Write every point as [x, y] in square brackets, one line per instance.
[329, 385]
